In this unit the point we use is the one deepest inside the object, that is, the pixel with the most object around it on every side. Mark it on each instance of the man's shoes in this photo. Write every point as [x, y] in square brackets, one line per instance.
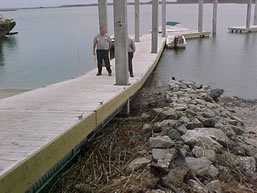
[98, 74]
[109, 74]
[131, 75]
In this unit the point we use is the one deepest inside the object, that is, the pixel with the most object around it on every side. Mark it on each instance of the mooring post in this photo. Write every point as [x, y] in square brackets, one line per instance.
[121, 41]
[200, 16]
[214, 17]
[163, 18]
[255, 14]
[137, 32]
[102, 12]
[155, 4]
[248, 17]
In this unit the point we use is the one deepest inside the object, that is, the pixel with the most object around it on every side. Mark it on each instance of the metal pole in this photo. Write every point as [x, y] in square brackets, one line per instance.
[121, 41]
[154, 25]
[137, 33]
[248, 17]
[200, 16]
[255, 14]
[102, 12]
[163, 18]
[214, 17]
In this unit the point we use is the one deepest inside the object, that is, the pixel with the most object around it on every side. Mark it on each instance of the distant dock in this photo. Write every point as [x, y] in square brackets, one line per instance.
[243, 29]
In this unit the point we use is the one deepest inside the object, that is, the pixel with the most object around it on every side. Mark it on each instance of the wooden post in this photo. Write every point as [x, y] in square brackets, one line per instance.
[137, 27]
[200, 16]
[121, 41]
[255, 14]
[155, 4]
[102, 12]
[163, 18]
[248, 16]
[214, 17]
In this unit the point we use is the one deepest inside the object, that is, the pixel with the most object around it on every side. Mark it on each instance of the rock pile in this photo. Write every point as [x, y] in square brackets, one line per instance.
[196, 142]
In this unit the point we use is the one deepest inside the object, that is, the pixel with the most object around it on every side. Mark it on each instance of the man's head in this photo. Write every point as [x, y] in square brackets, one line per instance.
[102, 31]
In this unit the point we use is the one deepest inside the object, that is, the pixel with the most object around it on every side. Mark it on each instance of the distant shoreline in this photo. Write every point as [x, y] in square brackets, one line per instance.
[110, 4]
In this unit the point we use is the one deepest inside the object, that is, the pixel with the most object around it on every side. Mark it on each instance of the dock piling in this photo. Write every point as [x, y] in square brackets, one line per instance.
[137, 33]
[102, 12]
[248, 17]
[255, 14]
[200, 16]
[155, 4]
[121, 41]
[163, 18]
[214, 17]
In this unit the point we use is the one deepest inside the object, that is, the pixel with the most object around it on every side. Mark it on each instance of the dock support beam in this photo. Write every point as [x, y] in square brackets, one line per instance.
[137, 33]
[248, 17]
[163, 18]
[200, 16]
[121, 41]
[155, 4]
[102, 12]
[214, 17]
[255, 14]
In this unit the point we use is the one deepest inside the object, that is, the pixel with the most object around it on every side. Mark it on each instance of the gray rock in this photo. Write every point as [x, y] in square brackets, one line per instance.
[202, 166]
[190, 113]
[227, 129]
[182, 129]
[165, 124]
[238, 130]
[138, 163]
[178, 107]
[214, 186]
[169, 113]
[216, 93]
[196, 137]
[161, 142]
[197, 187]
[195, 123]
[147, 127]
[161, 154]
[214, 133]
[176, 175]
[209, 122]
[174, 134]
[145, 116]
[208, 113]
[200, 152]
[247, 164]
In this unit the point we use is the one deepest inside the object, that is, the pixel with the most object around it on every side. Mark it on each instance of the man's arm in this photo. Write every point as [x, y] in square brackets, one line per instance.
[94, 45]
[133, 45]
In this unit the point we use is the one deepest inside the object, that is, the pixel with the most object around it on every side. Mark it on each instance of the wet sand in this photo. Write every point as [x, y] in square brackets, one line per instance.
[5, 93]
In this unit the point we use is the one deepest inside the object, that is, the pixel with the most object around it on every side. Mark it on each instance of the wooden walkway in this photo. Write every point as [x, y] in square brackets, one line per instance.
[242, 29]
[39, 127]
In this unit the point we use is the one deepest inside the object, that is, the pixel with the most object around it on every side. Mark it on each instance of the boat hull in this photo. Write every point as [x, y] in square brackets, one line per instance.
[5, 28]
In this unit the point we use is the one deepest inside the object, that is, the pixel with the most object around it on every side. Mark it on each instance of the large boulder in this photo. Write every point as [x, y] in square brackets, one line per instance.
[247, 164]
[161, 142]
[202, 166]
[216, 93]
[195, 123]
[201, 152]
[174, 134]
[205, 137]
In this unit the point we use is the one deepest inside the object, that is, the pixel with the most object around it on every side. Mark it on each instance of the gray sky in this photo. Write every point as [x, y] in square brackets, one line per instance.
[43, 3]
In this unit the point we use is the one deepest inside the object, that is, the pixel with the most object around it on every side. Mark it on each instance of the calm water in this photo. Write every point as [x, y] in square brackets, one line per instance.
[56, 44]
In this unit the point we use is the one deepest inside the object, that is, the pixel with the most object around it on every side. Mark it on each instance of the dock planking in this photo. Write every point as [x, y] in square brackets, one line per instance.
[242, 29]
[39, 127]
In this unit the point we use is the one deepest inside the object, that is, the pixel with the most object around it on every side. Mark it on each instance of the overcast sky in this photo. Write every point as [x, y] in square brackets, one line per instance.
[43, 3]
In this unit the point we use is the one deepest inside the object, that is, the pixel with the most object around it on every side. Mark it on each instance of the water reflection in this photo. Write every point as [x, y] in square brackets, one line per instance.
[6, 43]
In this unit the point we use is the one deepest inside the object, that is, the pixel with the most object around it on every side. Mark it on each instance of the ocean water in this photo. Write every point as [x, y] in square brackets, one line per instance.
[56, 44]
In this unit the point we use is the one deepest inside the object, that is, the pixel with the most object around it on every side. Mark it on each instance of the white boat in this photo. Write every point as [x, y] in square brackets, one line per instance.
[173, 26]
[176, 41]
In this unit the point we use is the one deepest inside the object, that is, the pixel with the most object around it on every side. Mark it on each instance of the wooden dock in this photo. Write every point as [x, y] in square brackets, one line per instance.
[190, 34]
[242, 29]
[39, 127]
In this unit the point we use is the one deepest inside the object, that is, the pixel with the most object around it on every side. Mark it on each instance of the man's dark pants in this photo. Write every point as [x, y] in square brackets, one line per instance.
[103, 55]
[130, 57]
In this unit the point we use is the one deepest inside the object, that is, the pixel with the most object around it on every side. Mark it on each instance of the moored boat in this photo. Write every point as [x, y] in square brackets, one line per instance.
[6, 25]
[175, 41]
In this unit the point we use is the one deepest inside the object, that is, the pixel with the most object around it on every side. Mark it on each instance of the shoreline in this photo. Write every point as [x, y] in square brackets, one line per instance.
[5, 93]
[109, 4]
